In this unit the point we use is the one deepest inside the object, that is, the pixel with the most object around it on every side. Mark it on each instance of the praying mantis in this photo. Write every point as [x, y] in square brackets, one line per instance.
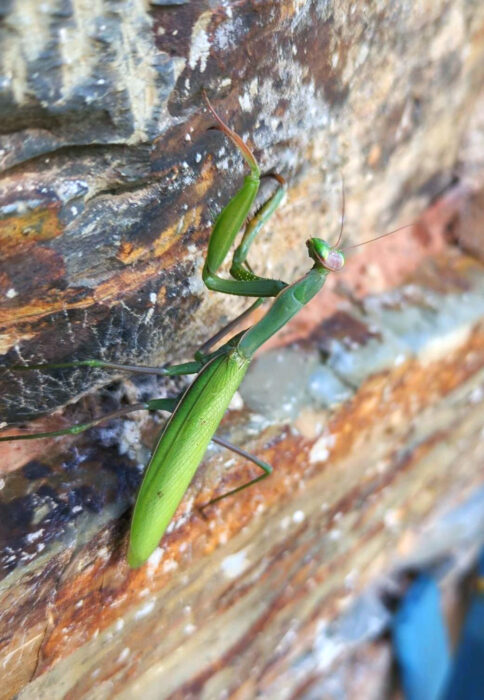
[197, 412]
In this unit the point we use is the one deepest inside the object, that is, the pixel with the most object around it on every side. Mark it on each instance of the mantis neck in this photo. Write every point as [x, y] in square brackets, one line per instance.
[286, 305]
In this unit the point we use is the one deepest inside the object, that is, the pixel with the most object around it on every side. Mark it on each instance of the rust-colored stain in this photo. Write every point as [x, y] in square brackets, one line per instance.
[125, 282]
[18, 233]
[127, 252]
[171, 235]
[38, 291]
[413, 387]
[32, 275]
[38, 284]
[207, 177]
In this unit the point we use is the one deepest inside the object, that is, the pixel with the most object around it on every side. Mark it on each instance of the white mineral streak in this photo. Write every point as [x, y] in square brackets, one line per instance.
[199, 44]
[144, 610]
[444, 345]
[131, 54]
[321, 449]
[75, 46]
[135, 55]
[245, 102]
[235, 564]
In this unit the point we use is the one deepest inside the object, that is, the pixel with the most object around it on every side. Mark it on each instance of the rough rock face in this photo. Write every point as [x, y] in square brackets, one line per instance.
[110, 181]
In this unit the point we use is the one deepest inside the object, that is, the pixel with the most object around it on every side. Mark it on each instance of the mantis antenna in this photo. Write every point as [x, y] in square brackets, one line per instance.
[342, 211]
[377, 238]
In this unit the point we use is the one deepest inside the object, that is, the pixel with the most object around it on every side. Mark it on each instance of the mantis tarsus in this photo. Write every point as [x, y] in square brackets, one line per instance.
[196, 413]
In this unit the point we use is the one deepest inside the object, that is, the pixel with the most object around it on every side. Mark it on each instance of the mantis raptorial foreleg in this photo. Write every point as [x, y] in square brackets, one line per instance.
[228, 224]
[240, 268]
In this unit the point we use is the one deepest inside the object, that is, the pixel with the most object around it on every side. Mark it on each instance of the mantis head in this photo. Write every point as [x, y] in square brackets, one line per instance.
[322, 254]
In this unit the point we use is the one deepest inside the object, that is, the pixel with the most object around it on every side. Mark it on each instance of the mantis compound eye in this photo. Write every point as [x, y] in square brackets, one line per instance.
[334, 261]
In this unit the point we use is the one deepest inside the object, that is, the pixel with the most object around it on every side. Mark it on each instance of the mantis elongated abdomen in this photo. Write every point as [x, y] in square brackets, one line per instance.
[180, 449]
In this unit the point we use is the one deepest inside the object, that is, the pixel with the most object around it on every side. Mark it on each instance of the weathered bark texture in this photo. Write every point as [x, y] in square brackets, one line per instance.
[370, 405]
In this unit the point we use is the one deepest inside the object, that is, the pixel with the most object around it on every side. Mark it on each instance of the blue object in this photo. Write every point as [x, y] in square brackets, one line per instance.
[421, 642]
[467, 678]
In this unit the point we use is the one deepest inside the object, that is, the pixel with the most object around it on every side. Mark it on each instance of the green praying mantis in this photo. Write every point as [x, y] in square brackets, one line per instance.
[197, 412]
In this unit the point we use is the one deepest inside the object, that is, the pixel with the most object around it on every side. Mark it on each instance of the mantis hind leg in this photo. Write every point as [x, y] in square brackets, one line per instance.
[266, 468]
[153, 405]
[168, 405]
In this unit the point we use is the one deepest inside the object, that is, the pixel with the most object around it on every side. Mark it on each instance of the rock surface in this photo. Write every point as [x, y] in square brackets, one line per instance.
[370, 405]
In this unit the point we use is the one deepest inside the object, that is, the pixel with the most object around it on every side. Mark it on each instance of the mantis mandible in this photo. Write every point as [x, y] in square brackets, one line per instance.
[196, 413]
